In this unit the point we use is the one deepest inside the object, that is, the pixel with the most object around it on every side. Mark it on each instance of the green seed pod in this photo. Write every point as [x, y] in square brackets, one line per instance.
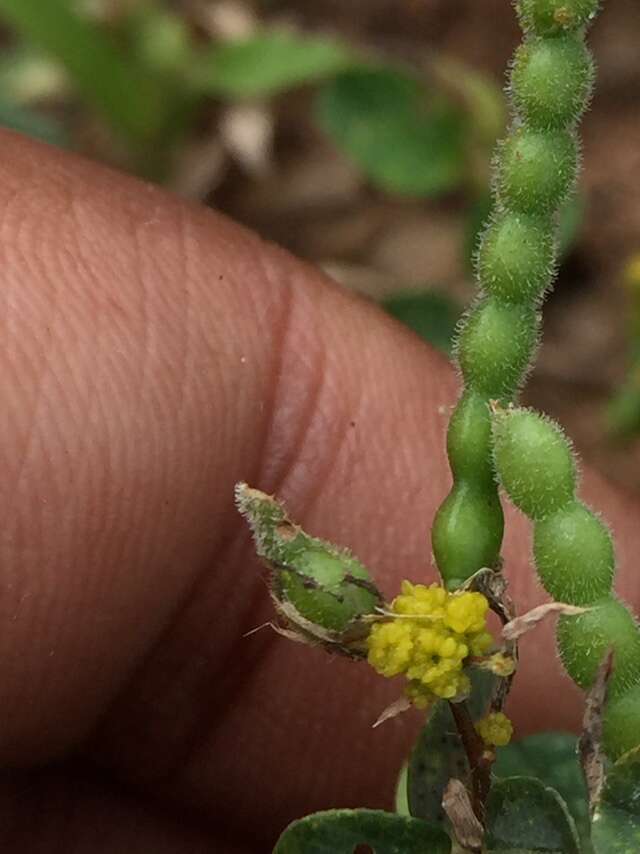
[467, 533]
[533, 460]
[536, 169]
[550, 17]
[584, 639]
[469, 440]
[516, 258]
[621, 725]
[551, 81]
[322, 592]
[495, 347]
[574, 555]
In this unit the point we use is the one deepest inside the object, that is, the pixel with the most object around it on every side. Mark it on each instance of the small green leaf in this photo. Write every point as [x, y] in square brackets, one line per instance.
[552, 758]
[269, 63]
[616, 824]
[524, 815]
[402, 142]
[341, 831]
[437, 757]
[431, 315]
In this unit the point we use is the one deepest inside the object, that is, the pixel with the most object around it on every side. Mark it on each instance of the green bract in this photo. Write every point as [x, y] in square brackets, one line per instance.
[322, 592]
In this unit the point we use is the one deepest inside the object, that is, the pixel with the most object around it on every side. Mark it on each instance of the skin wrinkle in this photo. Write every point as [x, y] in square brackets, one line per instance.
[198, 670]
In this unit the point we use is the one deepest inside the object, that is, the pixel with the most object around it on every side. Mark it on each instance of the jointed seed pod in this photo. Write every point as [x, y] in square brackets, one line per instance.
[574, 557]
[535, 169]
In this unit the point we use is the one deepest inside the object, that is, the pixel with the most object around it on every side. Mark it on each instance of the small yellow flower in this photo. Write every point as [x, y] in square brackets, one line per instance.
[430, 635]
[466, 612]
[500, 664]
[495, 729]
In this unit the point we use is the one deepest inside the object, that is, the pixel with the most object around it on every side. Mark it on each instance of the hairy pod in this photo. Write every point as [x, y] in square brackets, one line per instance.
[551, 81]
[536, 169]
[495, 347]
[534, 462]
[622, 722]
[516, 258]
[574, 556]
[584, 639]
[550, 17]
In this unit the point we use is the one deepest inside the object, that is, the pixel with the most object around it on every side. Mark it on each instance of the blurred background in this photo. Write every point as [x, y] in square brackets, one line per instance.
[358, 133]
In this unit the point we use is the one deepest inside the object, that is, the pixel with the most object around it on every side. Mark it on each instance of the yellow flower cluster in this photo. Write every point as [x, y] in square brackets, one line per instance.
[495, 729]
[431, 634]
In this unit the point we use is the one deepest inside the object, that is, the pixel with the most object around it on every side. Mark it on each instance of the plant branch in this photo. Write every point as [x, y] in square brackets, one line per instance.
[480, 760]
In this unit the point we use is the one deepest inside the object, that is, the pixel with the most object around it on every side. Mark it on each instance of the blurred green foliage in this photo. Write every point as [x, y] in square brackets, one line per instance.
[267, 64]
[403, 141]
[150, 75]
[623, 411]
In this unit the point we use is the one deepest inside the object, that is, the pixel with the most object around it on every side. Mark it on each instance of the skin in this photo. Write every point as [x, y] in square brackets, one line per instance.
[154, 354]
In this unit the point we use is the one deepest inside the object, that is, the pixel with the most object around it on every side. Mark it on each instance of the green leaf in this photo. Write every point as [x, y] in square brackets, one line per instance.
[34, 124]
[269, 63]
[437, 757]
[340, 831]
[552, 758]
[616, 824]
[524, 815]
[431, 315]
[402, 142]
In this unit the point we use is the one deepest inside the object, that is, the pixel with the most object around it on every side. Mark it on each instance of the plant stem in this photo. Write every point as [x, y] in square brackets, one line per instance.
[480, 760]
